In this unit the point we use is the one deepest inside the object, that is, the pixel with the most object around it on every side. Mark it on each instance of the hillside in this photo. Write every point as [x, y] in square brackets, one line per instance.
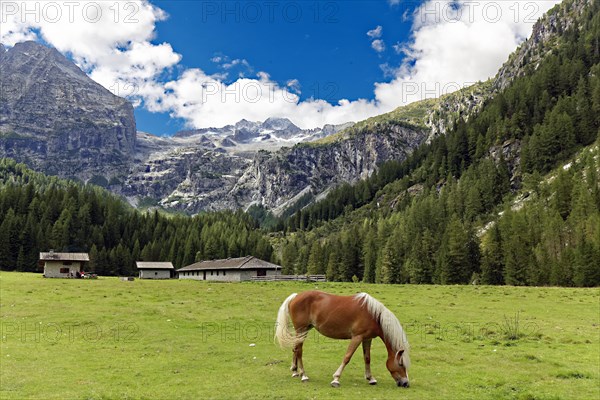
[418, 221]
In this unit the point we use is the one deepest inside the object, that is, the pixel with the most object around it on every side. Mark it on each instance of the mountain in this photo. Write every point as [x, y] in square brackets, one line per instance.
[55, 118]
[200, 170]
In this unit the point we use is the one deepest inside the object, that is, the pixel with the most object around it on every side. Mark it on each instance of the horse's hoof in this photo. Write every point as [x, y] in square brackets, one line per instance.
[295, 375]
[372, 381]
[335, 384]
[305, 379]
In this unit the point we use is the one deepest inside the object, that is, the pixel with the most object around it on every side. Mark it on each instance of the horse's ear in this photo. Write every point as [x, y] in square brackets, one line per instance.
[399, 354]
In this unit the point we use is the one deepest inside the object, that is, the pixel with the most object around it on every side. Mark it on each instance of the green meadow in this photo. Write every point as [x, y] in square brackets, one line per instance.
[110, 339]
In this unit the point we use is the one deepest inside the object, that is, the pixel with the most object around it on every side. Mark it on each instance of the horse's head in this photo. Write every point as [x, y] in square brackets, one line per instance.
[397, 364]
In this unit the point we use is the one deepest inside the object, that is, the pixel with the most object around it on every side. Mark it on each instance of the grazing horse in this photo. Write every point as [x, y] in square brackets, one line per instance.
[359, 318]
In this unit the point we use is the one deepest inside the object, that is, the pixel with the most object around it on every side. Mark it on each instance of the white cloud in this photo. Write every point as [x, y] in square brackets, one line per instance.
[456, 43]
[399, 48]
[378, 45]
[449, 48]
[376, 32]
[235, 63]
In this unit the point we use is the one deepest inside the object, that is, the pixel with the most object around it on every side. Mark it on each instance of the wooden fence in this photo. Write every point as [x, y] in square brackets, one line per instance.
[305, 278]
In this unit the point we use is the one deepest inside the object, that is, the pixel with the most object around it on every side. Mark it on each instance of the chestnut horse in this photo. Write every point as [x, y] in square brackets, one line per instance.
[359, 318]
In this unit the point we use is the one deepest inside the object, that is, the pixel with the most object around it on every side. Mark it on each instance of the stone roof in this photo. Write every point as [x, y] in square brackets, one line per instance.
[247, 262]
[153, 265]
[52, 256]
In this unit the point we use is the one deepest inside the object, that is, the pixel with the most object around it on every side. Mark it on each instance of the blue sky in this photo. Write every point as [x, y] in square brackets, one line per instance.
[322, 44]
[197, 64]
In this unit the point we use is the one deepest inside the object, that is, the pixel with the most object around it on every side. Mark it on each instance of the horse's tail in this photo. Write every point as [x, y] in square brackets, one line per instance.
[283, 332]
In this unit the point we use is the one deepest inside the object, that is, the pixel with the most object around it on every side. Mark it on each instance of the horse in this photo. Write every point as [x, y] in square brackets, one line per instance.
[360, 318]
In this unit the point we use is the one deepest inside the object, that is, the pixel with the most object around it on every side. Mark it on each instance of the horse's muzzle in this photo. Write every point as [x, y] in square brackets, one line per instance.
[403, 384]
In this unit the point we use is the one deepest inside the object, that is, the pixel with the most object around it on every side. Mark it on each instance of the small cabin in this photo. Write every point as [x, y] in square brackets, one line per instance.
[155, 270]
[63, 265]
[229, 270]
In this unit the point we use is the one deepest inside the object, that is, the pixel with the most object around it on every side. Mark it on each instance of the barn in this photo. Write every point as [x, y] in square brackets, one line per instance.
[229, 270]
[63, 265]
[155, 270]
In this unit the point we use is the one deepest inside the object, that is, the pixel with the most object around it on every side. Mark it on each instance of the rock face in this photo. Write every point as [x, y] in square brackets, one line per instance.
[200, 170]
[56, 119]
[543, 37]
[276, 178]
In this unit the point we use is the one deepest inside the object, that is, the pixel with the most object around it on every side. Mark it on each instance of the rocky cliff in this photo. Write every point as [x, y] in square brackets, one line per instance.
[544, 37]
[275, 179]
[56, 119]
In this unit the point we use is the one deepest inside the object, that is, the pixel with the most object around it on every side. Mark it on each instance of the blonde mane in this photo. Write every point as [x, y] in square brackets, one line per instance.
[392, 330]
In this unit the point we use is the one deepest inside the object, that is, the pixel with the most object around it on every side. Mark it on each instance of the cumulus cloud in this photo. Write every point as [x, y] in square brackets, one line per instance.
[375, 33]
[378, 45]
[456, 43]
[453, 43]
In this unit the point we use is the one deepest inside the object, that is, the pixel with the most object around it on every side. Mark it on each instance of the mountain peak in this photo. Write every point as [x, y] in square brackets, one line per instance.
[48, 99]
[280, 124]
[29, 56]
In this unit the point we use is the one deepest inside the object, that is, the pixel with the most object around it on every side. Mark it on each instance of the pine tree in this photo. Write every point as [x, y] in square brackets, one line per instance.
[492, 267]
[517, 250]
[456, 266]
[391, 264]
[370, 255]
[8, 239]
[93, 265]
[333, 263]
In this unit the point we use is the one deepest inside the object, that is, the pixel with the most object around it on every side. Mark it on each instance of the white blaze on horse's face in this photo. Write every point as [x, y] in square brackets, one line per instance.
[397, 369]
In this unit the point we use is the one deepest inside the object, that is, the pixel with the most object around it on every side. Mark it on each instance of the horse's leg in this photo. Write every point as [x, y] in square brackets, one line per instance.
[367, 354]
[294, 367]
[300, 363]
[297, 364]
[354, 343]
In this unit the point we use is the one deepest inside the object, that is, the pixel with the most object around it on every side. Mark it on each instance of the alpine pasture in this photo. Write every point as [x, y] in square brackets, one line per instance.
[110, 339]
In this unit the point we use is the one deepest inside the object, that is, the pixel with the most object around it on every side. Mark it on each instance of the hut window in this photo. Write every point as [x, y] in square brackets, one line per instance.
[64, 270]
[156, 273]
[217, 273]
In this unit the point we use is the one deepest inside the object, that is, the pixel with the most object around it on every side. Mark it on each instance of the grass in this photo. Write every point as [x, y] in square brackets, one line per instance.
[109, 339]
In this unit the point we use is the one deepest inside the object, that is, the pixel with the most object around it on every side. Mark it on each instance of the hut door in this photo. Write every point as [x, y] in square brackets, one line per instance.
[261, 272]
[204, 276]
